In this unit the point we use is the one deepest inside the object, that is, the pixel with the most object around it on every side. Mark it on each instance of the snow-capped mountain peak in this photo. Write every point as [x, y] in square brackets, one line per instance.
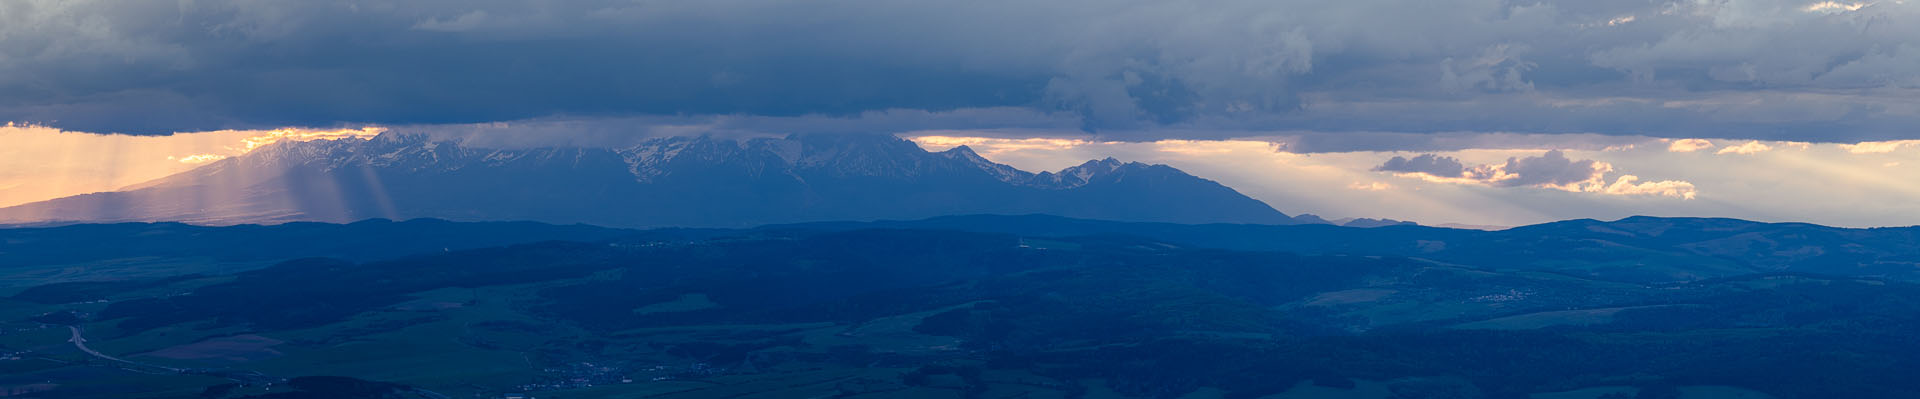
[669, 181]
[1002, 172]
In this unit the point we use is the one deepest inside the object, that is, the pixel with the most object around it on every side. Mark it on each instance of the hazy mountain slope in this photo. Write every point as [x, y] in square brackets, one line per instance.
[129, 251]
[365, 240]
[679, 181]
[1642, 249]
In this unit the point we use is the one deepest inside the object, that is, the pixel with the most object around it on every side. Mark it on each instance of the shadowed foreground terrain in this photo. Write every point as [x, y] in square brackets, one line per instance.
[984, 306]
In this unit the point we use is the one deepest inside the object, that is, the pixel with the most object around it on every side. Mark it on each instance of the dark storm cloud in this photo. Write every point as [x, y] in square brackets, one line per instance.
[1552, 169]
[1131, 70]
[1314, 142]
[1429, 164]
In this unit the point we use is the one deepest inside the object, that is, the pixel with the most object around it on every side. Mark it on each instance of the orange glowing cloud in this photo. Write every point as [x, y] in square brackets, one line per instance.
[1834, 6]
[199, 159]
[1212, 147]
[989, 145]
[1689, 145]
[294, 134]
[1370, 186]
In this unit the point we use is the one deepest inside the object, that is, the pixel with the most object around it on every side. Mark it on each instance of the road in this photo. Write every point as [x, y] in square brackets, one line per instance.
[80, 342]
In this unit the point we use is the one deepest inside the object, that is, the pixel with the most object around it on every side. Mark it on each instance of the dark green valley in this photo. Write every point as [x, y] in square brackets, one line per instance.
[968, 307]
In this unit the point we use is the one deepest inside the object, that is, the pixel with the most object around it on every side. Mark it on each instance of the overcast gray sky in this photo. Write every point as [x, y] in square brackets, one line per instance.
[1771, 69]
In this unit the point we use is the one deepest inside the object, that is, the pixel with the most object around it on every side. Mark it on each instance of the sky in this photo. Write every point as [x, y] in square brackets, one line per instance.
[1855, 185]
[1469, 111]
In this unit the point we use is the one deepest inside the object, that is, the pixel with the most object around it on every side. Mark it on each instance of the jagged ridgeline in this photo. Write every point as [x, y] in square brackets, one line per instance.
[674, 181]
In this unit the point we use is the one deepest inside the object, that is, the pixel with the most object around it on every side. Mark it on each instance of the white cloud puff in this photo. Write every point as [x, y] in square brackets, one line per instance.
[1878, 147]
[1749, 148]
[1628, 185]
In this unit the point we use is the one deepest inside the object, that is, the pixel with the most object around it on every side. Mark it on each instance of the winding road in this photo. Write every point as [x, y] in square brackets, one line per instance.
[80, 342]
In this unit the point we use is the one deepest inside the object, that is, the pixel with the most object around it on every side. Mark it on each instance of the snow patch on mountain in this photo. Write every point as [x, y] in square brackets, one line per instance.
[668, 181]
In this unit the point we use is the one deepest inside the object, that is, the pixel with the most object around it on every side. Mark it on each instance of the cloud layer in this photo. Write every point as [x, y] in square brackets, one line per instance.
[1131, 70]
[1552, 170]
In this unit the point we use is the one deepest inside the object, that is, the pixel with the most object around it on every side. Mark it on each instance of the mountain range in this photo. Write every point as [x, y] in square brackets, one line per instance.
[673, 181]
